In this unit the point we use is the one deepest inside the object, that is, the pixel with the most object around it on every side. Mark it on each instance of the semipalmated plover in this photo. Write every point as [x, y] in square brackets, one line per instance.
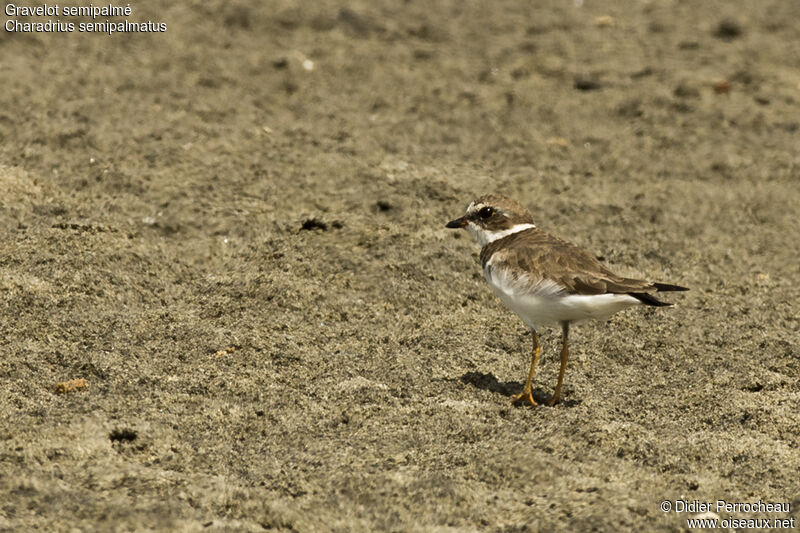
[545, 279]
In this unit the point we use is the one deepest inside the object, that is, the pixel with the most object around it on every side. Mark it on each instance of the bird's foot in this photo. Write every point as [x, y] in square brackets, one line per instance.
[524, 395]
[555, 399]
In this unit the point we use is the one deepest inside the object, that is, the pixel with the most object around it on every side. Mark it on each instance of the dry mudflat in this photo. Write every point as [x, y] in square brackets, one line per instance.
[232, 232]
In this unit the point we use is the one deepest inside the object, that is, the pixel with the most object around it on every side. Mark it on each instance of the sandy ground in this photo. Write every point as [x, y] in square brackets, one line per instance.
[233, 232]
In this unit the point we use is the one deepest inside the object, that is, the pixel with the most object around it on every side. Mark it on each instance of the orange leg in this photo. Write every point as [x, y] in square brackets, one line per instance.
[564, 357]
[526, 391]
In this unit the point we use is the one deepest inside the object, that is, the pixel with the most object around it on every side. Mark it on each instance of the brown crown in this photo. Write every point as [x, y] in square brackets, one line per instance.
[506, 212]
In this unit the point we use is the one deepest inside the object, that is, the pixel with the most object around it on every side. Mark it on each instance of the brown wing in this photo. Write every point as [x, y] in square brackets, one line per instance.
[543, 256]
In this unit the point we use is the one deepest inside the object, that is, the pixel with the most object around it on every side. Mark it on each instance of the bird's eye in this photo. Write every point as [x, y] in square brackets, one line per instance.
[486, 212]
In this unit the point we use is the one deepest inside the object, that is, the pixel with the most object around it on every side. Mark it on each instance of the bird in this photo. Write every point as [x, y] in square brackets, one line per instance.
[546, 280]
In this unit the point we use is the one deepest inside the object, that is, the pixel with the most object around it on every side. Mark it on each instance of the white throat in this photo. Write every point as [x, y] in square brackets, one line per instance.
[483, 236]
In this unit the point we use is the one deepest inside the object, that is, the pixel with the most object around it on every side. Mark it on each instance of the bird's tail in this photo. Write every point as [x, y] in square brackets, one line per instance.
[648, 299]
[667, 287]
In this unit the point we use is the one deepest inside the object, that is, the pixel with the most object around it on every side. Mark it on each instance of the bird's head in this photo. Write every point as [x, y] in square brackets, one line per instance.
[493, 217]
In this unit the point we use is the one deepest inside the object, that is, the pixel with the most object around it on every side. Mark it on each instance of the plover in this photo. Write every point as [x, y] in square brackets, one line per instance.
[544, 279]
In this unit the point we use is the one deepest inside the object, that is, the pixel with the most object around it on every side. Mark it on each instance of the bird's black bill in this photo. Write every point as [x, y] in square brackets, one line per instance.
[457, 223]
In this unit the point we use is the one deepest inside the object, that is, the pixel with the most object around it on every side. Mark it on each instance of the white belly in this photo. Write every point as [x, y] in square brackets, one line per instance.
[545, 303]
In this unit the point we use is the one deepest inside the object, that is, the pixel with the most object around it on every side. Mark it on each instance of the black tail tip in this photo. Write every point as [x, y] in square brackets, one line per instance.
[666, 287]
[648, 299]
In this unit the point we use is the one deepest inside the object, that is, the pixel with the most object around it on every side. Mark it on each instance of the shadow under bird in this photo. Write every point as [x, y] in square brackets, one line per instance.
[546, 280]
